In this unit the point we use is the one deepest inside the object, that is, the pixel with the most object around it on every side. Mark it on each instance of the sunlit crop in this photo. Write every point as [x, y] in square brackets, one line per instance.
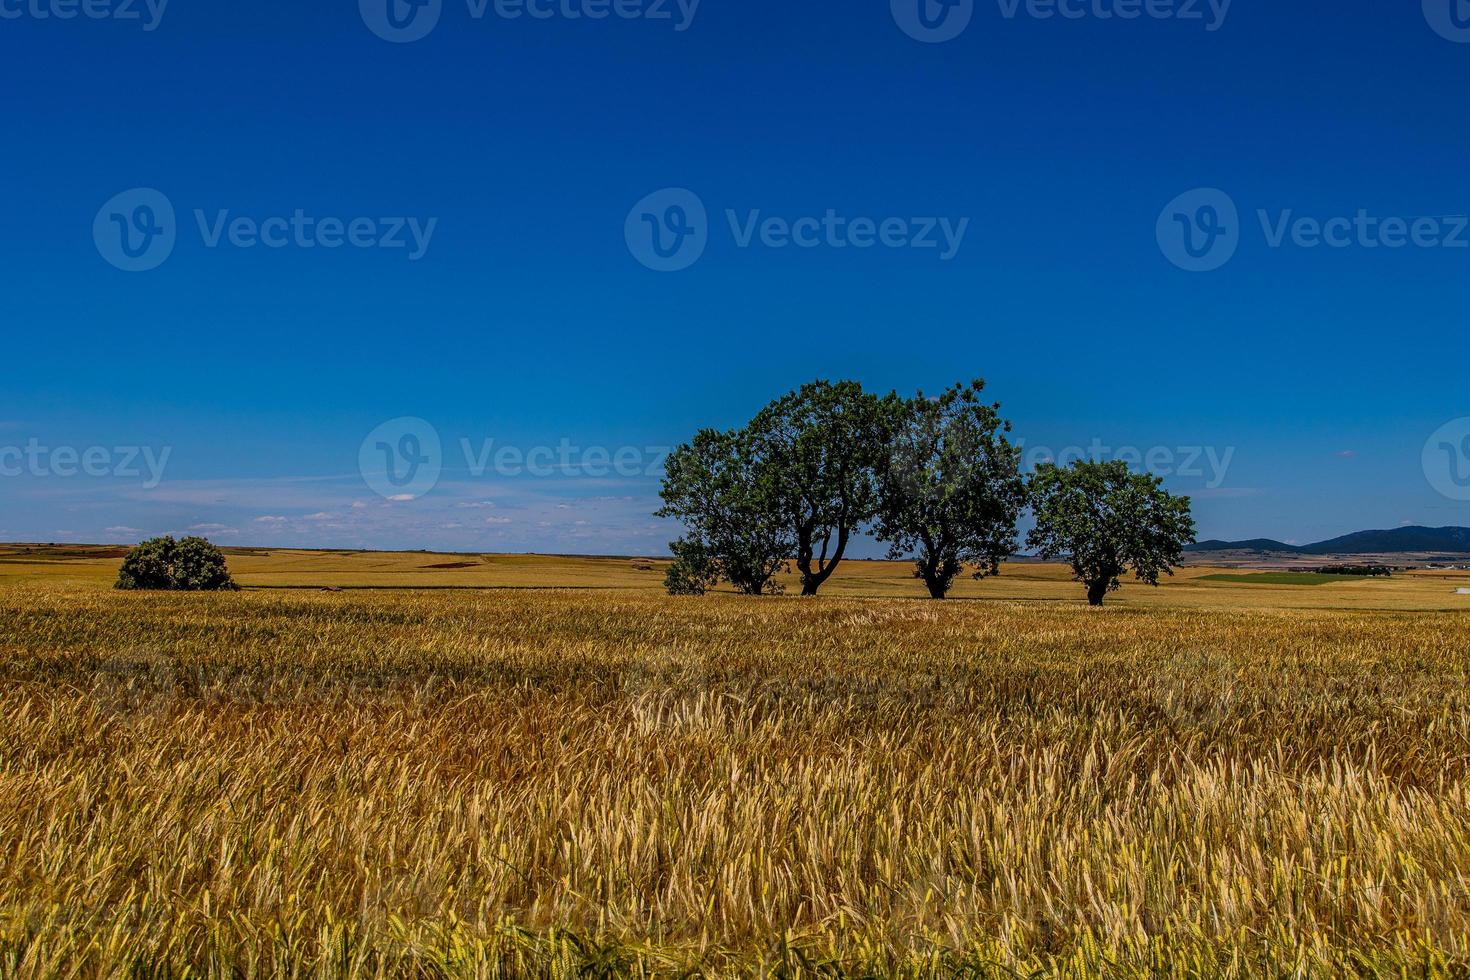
[523, 783]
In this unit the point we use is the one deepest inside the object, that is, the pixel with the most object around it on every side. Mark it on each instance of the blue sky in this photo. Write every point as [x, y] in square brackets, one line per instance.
[1292, 390]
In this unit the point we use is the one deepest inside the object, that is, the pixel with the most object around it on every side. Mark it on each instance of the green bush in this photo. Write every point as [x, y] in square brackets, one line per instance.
[190, 565]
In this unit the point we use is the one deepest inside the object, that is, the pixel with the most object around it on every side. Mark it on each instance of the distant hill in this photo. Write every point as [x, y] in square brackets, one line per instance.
[1449, 540]
[1254, 544]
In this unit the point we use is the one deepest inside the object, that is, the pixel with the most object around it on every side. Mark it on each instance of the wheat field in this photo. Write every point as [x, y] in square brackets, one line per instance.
[612, 782]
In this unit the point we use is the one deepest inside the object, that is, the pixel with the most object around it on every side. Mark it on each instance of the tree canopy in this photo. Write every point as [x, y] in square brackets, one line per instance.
[936, 478]
[190, 565]
[723, 493]
[821, 446]
[951, 489]
[1104, 520]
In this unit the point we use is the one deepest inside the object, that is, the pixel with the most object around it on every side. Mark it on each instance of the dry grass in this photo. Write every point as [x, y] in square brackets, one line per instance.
[606, 782]
[82, 567]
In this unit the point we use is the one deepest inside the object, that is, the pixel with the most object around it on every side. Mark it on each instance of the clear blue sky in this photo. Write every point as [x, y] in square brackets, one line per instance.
[1318, 372]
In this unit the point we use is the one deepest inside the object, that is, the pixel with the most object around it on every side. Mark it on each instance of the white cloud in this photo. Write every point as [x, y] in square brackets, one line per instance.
[270, 519]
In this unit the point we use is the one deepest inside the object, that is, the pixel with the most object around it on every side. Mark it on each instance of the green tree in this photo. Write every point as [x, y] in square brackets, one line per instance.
[951, 489]
[200, 567]
[190, 565]
[149, 565]
[723, 493]
[1105, 520]
[820, 447]
[694, 569]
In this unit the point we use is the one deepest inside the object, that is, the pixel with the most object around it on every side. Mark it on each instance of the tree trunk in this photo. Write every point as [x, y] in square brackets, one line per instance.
[813, 579]
[1096, 592]
[937, 587]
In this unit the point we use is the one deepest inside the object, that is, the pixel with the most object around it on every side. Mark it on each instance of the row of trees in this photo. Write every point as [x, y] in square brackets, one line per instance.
[936, 478]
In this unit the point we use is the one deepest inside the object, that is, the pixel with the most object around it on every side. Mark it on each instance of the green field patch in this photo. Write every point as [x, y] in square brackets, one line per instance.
[1284, 578]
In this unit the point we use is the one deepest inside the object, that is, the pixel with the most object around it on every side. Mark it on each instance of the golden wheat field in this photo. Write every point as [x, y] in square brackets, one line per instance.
[1209, 779]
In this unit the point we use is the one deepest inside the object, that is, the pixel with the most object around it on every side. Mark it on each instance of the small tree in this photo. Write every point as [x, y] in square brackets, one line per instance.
[1105, 520]
[723, 494]
[694, 569]
[190, 565]
[821, 446]
[951, 490]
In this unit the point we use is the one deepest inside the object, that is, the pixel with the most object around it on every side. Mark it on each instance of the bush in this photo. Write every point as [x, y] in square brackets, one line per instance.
[149, 565]
[694, 569]
[190, 565]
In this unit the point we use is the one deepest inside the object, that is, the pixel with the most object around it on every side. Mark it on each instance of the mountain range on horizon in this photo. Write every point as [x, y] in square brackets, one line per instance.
[1446, 540]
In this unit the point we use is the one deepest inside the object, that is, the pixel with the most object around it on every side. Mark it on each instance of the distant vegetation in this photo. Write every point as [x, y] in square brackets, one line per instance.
[1280, 578]
[163, 564]
[1368, 571]
[936, 478]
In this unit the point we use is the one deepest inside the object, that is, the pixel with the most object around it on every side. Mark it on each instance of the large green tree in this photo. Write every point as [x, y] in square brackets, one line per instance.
[1104, 520]
[725, 496]
[821, 446]
[951, 488]
[190, 565]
